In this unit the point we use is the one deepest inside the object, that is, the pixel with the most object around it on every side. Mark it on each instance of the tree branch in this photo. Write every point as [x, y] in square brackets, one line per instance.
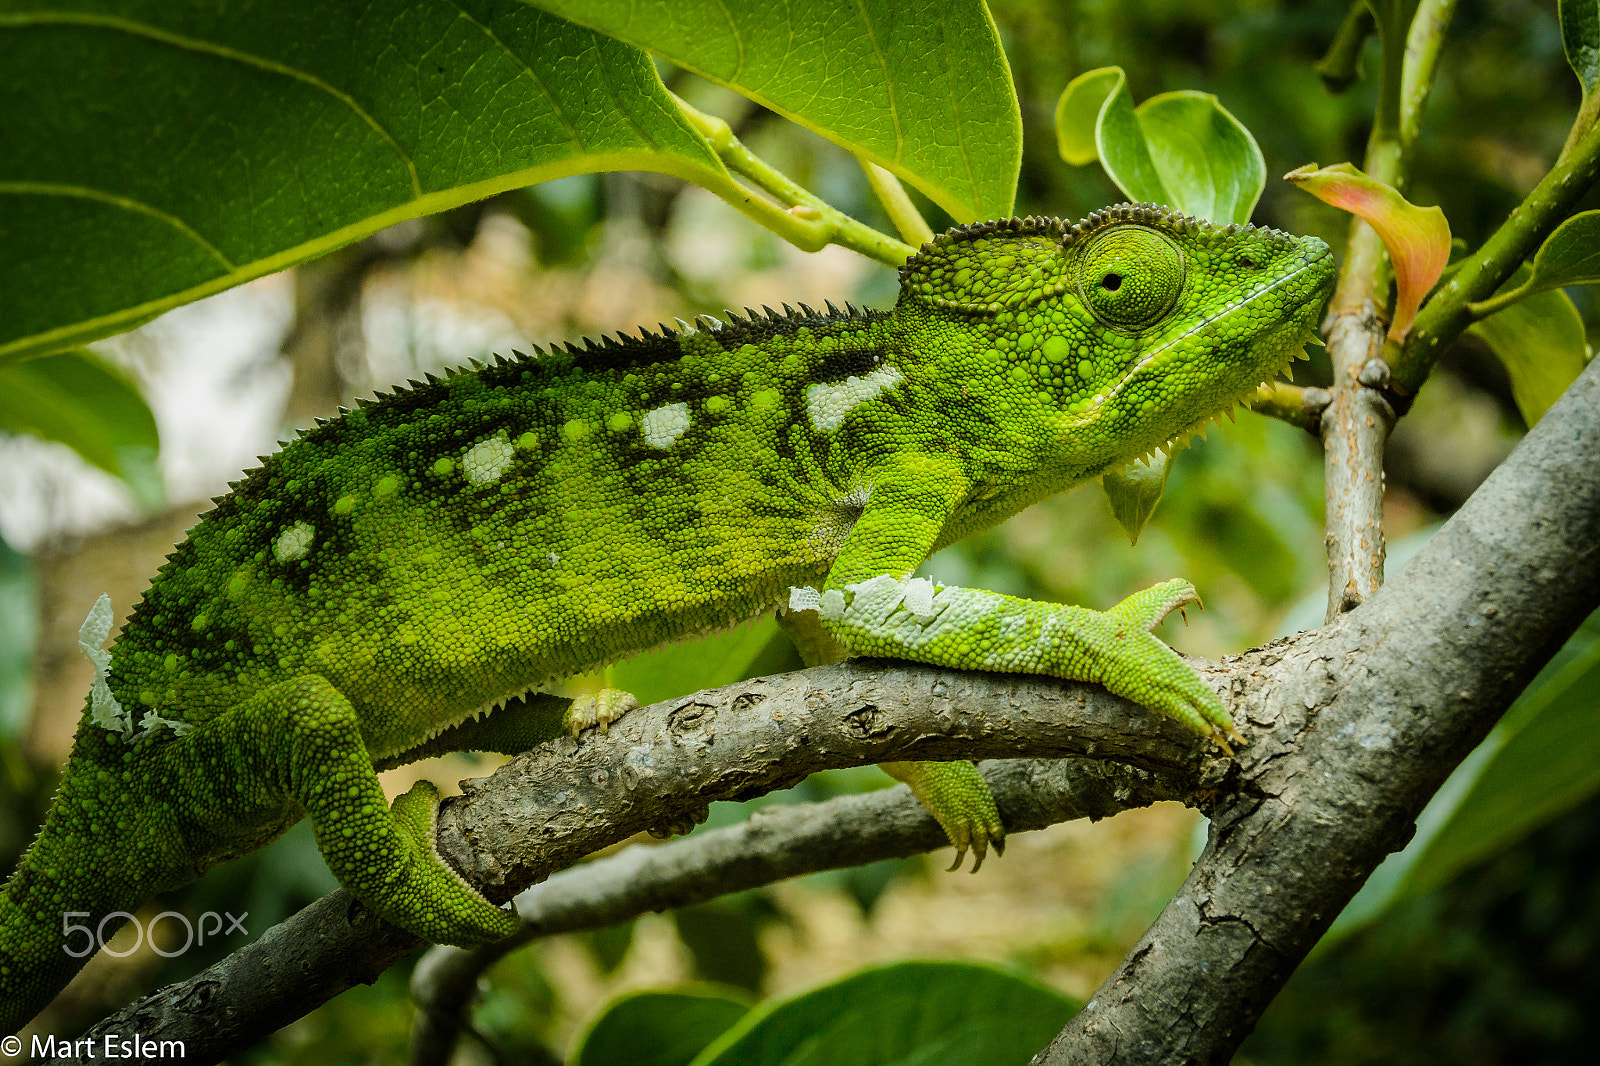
[661, 764]
[774, 844]
[1355, 731]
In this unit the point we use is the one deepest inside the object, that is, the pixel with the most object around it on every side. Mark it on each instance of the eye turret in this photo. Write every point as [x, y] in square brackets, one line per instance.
[1129, 276]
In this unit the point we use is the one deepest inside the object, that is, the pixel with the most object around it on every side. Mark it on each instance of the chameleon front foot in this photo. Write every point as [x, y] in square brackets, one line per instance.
[959, 799]
[1117, 649]
[1149, 608]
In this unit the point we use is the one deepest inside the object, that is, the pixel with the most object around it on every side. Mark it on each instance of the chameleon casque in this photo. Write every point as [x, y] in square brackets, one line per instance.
[363, 597]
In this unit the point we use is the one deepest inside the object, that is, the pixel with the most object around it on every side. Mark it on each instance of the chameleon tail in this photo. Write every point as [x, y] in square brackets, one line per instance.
[77, 873]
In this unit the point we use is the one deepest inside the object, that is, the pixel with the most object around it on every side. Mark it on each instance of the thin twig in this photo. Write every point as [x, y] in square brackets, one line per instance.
[1294, 404]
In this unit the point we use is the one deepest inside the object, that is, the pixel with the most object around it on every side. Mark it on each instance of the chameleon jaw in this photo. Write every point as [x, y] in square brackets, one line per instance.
[1179, 440]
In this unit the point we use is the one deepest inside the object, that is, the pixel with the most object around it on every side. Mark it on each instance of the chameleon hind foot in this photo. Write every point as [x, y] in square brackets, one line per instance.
[599, 709]
[300, 741]
[959, 799]
[431, 899]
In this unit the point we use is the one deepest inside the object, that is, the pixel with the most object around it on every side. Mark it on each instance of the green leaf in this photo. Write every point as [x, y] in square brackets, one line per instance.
[1078, 113]
[1182, 149]
[724, 936]
[657, 1028]
[1416, 238]
[1135, 489]
[78, 399]
[923, 90]
[1546, 762]
[158, 152]
[1540, 341]
[704, 662]
[1580, 37]
[1569, 256]
[927, 1013]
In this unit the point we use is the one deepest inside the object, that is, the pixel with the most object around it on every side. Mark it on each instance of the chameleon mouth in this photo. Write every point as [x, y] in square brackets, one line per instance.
[1178, 441]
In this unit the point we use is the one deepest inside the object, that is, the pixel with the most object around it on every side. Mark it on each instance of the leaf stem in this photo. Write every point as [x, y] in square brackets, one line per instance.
[1424, 41]
[914, 229]
[1500, 301]
[804, 219]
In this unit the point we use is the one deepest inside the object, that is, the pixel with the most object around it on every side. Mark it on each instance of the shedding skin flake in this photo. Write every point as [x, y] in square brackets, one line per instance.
[293, 543]
[828, 405]
[663, 426]
[485, 461]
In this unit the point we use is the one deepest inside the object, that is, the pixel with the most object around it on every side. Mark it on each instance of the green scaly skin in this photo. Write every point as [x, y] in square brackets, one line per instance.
[366, 594]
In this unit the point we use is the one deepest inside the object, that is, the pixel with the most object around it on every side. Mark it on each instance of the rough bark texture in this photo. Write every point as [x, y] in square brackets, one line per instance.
[1360, 724]
[773, 844]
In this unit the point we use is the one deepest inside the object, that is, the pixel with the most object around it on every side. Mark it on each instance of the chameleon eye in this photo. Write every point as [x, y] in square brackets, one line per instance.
[1130, 276]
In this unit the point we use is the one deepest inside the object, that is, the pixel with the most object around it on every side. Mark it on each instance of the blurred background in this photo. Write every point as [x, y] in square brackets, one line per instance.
[1493, 964]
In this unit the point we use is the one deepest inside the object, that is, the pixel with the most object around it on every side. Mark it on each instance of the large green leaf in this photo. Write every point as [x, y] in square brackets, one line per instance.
[1540, 341]
[1181, 149]
[921, 89]
[657, 1028]
[1547, 761]
[1569, 256]
[79, 400]
[155, 152]
[927, 1013]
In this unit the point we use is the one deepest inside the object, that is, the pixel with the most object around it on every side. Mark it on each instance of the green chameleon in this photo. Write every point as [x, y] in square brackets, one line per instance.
[368, 594]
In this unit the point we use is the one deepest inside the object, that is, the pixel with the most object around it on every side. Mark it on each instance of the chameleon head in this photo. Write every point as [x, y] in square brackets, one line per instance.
[1119, 334]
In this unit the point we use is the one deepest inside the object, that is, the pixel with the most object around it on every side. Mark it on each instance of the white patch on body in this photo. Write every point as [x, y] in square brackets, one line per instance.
[919, 598]
[293, 543]
[486, 460]
[804, 598]
[663, 426]
[104, 710]
[828, 405]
